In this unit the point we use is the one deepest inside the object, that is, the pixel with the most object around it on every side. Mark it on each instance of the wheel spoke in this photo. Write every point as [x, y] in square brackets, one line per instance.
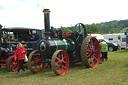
[88, 55]
[95, 57]
[57, 66]
[58, 58]
[63, 66]
[89, 46]
[77, 38]
[96, 51]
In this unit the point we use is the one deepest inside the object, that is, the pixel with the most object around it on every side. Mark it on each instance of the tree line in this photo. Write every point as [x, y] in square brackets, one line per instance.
[114, 26]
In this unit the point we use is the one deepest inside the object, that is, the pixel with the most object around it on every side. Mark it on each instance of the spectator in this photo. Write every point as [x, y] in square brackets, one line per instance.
[33, 38]
[20, 55]
[104, 50]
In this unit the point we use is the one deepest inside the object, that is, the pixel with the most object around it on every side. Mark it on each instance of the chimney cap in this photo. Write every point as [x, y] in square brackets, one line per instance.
[46, 10]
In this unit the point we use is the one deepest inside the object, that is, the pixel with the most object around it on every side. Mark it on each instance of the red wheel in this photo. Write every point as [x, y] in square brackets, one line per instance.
[34, 64]
[90, 52]
[60, 62]
[12, 65]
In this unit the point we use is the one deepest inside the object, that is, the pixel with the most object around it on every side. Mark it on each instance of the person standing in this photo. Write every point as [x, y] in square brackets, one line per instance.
[20, 55]
[104, 50]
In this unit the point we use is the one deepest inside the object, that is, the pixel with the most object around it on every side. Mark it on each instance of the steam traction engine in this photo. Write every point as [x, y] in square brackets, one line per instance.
[60, 49]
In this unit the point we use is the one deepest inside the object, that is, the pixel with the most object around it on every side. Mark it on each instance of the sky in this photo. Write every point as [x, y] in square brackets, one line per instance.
[28, 13]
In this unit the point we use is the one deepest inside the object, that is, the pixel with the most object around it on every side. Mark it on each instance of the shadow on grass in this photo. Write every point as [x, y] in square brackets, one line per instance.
[78, 65]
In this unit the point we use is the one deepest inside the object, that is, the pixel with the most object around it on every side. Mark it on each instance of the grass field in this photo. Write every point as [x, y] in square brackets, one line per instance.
[112, 72]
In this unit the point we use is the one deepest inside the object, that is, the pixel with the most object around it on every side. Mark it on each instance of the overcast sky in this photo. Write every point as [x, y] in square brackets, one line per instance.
[28, 13]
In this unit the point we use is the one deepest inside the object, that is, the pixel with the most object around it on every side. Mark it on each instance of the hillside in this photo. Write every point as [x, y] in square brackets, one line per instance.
[123, 30]
[113, 26]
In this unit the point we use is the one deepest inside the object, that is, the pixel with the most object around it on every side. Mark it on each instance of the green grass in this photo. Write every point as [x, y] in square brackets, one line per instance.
[112, 72]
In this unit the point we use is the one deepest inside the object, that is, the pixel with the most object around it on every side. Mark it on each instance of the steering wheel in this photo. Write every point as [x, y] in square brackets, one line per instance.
[79, 33]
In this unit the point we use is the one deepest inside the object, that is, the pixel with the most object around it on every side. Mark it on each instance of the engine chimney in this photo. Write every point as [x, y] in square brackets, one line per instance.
[47, 22]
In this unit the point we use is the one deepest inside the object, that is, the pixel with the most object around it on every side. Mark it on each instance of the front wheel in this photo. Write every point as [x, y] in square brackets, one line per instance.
[34, 62]
[110, 49]
[12, 65]
[60, 62]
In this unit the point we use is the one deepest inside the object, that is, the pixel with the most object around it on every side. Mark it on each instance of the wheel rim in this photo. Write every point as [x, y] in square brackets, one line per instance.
[110, 49]
[34, 64]
[60, 62]
[13, 65]
[90, 52]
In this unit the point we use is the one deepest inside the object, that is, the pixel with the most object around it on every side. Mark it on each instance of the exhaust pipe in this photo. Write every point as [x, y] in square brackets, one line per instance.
[47, 22]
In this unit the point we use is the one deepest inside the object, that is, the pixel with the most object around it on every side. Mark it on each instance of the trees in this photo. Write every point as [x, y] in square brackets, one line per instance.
[114, 26]
[93, 28]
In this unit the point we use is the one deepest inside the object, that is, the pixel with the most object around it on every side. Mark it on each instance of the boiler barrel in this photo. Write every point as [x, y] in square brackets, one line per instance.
[48, 47]
[65, 45]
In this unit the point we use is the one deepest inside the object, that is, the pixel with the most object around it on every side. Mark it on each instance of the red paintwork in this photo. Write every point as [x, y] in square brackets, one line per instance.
[93, 52]
[126, 28]
[3, 58]
[61, 57]
[13, 65]
[37, 67]
[67, 35]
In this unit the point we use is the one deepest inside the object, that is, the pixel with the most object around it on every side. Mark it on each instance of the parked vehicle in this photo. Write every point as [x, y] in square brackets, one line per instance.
[9, 38]
[111, 46]
[119, 39]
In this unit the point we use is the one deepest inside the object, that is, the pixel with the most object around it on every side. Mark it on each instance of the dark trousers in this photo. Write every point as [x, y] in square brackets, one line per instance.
[104, 55]
[21, 65]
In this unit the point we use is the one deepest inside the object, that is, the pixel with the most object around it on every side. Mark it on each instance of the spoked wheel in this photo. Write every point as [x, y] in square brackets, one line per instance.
[60, 62]
[90, 52]
[36, 62]
[79, 33]
[12, 65]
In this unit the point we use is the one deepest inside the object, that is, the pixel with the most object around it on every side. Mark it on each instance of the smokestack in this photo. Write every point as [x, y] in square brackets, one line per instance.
[47, 22]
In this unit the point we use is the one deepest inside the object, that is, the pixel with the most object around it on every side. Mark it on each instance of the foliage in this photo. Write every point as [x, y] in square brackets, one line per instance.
[112, 26]
[67, 29]
[93, 28]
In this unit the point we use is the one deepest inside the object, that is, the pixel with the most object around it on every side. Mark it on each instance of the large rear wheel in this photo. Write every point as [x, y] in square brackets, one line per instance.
[12, 65]
[35, 60]
[60, 62]
[90, 52]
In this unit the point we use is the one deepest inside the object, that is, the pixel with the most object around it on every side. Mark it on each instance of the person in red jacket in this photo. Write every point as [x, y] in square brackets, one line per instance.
[20, 55]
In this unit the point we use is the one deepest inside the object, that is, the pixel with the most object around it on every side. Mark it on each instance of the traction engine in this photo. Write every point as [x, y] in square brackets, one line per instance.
[60, 49]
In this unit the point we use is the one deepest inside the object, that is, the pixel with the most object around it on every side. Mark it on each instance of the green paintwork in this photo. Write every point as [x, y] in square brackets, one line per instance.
[79, 33]
[64, 45]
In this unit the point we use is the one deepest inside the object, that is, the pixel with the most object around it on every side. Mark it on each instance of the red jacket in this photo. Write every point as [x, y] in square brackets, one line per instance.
[20, 53]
